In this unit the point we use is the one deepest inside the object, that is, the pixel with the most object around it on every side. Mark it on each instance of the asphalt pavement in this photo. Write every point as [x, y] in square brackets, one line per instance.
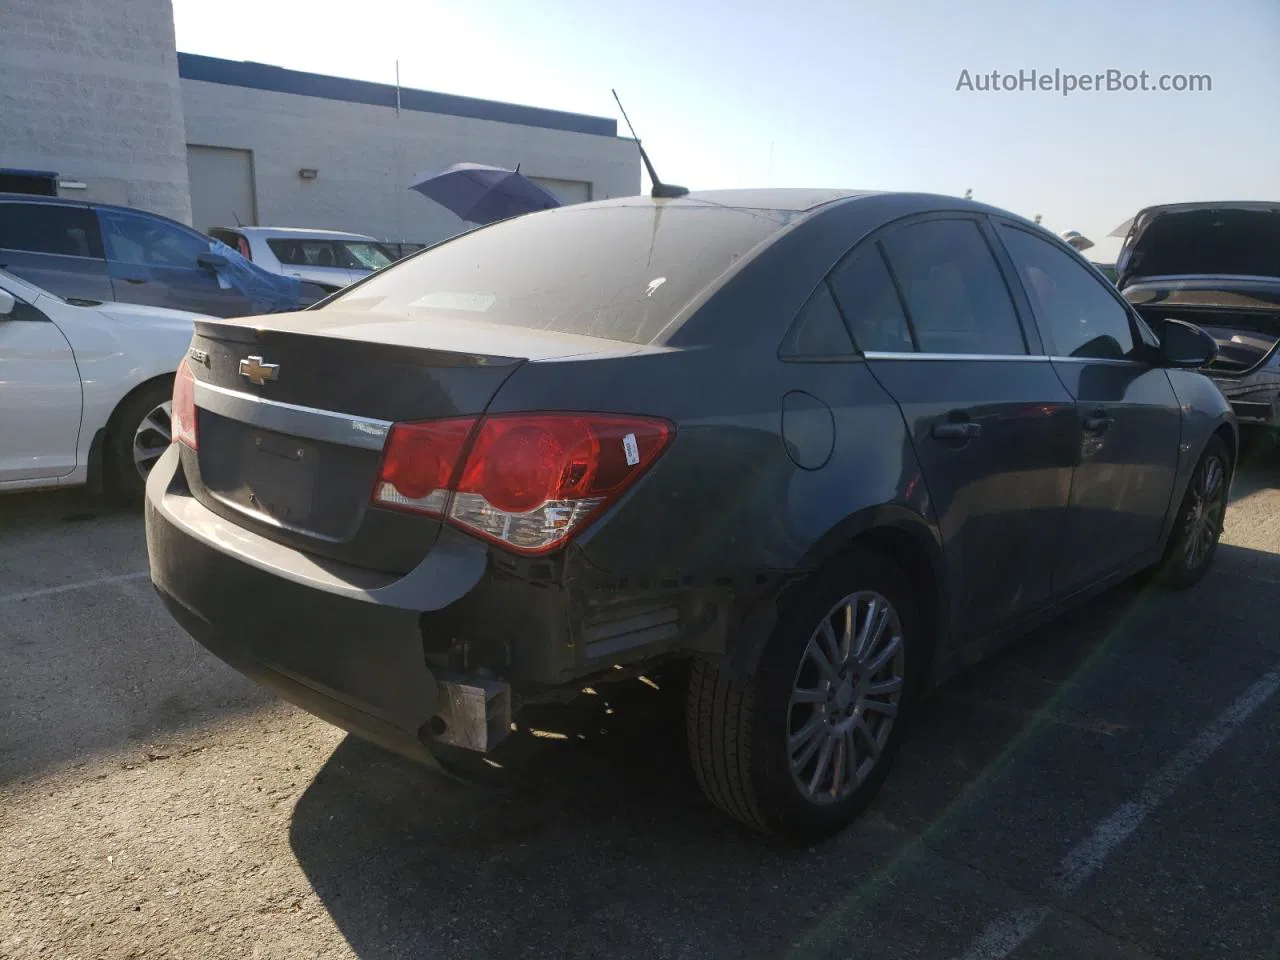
[1108, 787]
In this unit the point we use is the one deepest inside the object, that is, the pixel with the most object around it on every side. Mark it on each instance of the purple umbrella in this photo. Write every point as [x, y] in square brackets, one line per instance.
[482, 194]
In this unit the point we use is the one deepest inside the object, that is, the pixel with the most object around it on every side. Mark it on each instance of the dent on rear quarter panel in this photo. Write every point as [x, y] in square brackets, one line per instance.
[725, 518]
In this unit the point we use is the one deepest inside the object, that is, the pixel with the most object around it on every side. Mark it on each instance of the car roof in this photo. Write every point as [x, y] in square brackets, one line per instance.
[299, 232]
[57, 201]
[795, 199]
[809, 202]
[86, 205]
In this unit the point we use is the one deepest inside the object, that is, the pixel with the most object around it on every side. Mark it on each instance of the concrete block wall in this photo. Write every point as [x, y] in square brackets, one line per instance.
[366, 155]
[89, 89]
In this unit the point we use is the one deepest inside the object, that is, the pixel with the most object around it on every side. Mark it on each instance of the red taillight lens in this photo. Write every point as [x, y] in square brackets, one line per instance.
[418, 462]
[182, 420]
[529, 480]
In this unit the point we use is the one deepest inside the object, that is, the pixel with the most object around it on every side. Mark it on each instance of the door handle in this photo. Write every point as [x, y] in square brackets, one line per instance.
[957, 430]
[134, 279]
[1097, 423]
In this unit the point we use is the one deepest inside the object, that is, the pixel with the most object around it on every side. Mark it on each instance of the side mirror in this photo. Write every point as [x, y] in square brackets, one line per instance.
[212, 261]
[7, 303]
[1185, 345]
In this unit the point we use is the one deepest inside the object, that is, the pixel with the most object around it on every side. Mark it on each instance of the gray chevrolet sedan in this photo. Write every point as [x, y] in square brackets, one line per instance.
[807, 453]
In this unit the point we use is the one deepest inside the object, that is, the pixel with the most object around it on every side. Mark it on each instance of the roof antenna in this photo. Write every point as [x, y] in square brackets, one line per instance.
[662, 191]
[237, 216]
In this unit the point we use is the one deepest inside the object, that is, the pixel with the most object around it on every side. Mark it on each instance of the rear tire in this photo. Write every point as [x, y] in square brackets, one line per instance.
[139, 433]
[804, 745]
[1198, 526]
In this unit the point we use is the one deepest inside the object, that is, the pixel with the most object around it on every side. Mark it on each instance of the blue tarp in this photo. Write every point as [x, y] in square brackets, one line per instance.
[270, 292]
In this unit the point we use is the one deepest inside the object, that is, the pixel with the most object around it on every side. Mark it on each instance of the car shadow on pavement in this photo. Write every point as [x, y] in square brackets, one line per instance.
[599, 843]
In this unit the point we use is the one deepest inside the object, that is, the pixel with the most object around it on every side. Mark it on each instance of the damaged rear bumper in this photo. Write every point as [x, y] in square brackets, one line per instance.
[344, 644]
[443, 654]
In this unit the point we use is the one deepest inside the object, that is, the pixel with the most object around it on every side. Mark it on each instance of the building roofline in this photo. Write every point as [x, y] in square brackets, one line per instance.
[262, 76]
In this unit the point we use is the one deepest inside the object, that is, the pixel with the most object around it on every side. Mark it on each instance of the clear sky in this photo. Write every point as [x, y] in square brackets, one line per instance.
[838, 94]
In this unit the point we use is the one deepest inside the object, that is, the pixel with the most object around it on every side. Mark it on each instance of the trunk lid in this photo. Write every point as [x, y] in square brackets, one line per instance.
[1240, 238]
[293, 411]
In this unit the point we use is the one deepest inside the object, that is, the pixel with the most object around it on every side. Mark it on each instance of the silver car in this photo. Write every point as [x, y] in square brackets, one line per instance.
[326, 257]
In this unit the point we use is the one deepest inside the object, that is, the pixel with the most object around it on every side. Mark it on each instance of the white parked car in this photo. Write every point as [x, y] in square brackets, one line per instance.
[85, 388]
[326, 257]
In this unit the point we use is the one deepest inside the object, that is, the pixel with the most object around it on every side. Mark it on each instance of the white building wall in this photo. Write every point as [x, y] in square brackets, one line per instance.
[365, 157]
[89, 90]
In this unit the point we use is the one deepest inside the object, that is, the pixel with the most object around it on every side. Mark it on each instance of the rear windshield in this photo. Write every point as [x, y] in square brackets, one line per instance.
[617, 272]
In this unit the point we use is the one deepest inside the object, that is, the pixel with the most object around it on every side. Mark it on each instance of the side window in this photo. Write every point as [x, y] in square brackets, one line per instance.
[137, 238]
[818, 331]
[288, 252]
[49, 228]
[864, 290]
[1081, 317]
[319, 253]
[955, 295]
[304, 253]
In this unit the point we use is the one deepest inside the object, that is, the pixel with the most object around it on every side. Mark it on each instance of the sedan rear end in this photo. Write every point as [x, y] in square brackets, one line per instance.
[378, 507]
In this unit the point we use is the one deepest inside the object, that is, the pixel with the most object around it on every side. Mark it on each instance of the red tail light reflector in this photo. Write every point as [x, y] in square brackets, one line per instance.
[526, 481]
[182, 421]
[418, 463]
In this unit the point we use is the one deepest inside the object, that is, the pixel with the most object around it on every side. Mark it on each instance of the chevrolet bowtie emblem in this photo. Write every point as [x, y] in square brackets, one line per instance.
[258, 372]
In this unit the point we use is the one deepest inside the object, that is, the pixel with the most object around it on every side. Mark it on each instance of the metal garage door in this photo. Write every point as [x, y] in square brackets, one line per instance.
[569, 191]
[222, 192]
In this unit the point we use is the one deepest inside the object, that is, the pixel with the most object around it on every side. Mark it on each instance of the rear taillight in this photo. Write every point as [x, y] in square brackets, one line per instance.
[526, 481]
[183, 418]
[418, 464]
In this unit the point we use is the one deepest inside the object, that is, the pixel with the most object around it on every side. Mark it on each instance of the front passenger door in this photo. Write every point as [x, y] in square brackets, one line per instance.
[1129, 423]
[154, 262]
[40, 396]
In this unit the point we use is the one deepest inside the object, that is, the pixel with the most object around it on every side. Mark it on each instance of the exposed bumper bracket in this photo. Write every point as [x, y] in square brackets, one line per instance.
[473, 713]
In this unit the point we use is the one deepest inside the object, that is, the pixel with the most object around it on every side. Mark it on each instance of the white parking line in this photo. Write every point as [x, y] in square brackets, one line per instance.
[68, 587]
[1006, 933]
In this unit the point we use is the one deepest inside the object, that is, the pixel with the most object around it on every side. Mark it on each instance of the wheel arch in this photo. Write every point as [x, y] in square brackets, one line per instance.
[113, 421]
[1230, 436]
[1224, 430]
[901, 535]
[110, 460]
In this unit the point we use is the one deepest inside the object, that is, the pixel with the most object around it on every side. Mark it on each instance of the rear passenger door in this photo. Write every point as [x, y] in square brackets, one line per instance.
[1129, 424]
[993, 426]
[56, 247]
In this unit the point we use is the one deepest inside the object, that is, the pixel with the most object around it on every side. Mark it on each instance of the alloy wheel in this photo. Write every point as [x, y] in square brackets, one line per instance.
[845, 697]
[1204, 518]
[152, 438]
